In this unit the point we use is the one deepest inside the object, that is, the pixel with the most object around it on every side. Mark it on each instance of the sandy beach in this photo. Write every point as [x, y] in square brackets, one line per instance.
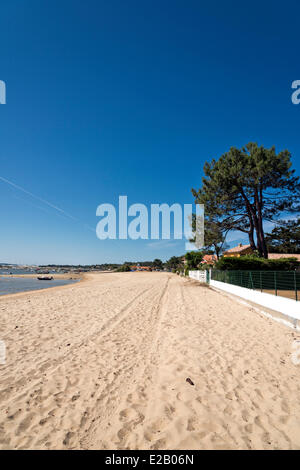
[103, 365]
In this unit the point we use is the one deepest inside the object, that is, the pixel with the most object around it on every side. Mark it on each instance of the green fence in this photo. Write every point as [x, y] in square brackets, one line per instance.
[283, 283]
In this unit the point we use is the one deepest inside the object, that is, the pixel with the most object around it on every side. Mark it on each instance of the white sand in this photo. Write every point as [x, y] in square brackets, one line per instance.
[103, 364]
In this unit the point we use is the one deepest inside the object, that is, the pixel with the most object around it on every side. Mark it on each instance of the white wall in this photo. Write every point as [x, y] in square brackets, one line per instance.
[198, 275]
[279, 304]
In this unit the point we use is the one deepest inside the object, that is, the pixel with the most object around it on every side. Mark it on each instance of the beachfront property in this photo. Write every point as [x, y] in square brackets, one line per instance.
[242, 250]
[238, 251]
[140, 268]
[209, 259]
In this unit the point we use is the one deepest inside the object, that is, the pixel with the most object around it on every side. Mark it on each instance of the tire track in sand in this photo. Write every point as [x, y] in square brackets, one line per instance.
[128, 417]
[50, 367]
[55, 403]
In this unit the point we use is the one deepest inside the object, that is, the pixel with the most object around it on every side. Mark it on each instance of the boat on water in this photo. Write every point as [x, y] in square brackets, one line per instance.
[45, 278]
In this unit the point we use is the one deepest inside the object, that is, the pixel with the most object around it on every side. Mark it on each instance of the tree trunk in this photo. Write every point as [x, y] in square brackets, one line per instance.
[217, 251]
[251, 240]
[253, 221]
[260, 229]
[251, 234]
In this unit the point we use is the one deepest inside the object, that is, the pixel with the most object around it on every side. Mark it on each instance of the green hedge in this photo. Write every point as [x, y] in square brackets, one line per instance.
[252, 263]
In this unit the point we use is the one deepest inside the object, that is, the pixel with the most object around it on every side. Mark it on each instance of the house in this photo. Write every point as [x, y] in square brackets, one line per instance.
[209, 259]
[140, 268]
[238, 251]
[242, 250]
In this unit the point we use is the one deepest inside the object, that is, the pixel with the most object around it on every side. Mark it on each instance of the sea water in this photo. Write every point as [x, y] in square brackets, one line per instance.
[12, 285]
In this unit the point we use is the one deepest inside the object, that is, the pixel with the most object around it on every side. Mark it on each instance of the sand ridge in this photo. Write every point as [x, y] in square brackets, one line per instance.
[103, 364]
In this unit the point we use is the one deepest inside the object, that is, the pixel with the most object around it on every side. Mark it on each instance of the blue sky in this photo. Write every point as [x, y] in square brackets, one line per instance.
[130, 98]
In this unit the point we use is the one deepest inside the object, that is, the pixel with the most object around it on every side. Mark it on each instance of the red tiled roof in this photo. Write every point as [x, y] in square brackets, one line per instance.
[237, 249]
[283, 255]
[209, 258]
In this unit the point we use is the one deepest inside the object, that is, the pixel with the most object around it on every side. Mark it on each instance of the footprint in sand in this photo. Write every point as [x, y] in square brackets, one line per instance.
[190, 424]
[127, 413]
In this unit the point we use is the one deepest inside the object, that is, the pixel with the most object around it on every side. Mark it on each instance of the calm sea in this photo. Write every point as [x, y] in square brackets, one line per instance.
[11, 285]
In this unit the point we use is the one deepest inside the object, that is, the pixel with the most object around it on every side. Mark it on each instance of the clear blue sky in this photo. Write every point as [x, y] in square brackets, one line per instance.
[106, 98]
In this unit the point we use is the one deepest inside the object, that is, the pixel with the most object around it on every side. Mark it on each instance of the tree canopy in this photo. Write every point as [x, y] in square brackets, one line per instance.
[215, 236]
[246, 187]
[175, 262]
[193, 259]
[285, 238]
[158, 264]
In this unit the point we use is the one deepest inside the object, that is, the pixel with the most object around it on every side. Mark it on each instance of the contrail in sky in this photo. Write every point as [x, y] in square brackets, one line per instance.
[66, 214]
